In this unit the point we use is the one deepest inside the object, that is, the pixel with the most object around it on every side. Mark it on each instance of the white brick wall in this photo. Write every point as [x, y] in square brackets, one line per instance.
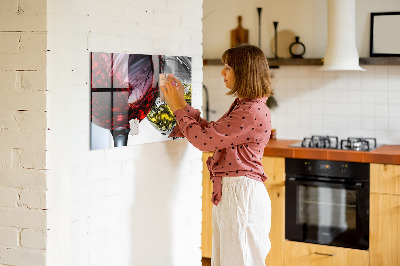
[136, 205]
[23, 132]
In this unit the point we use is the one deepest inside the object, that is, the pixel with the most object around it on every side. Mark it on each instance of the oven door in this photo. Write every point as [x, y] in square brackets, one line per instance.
[327, 213]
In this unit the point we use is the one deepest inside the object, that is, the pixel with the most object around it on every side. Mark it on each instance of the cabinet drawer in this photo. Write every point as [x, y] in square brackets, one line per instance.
[385, 178]
[304, 254]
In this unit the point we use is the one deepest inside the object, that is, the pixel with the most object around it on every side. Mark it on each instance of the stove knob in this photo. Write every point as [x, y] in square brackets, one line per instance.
[308, 166]
[343, 168]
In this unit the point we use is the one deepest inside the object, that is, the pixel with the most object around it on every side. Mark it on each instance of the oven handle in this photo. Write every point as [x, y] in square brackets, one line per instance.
[357, 185]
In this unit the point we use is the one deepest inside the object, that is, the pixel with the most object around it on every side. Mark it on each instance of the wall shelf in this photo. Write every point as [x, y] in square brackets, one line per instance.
[380, 61]
[274, 63]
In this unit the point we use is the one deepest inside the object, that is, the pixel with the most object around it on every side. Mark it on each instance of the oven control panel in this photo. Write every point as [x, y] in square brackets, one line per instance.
[337, 169]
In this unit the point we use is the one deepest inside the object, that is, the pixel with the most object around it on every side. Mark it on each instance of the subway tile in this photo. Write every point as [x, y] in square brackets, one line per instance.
[355, 109]
[355, 96]
[329, 121]
[367, 133]
[380, 71]
[342, 122]
[317, 95]
[317, 120]
[342, 96]
[316, 83]
[304, 82]
[367, 110]
[317, 131]
[381, 123]
[328, 74]
[342, 109]
[381, 110]
[380, 84]
[367, 96]
[394, 110]
[367, 122]
[369, 70]
[292, 82]
[355, 122]
[342, 83]
[291, 71]
[305, 95]
[316, 72]
[394, 123]
[280, 72]
[354, 82]
[394, 137]
[394, 71]
[394, 97]
[329, 109]
[329, 94]
[355, 132]
[381, 97]
[317, 107]
[382, 136]
[304, 72]
[367, 82]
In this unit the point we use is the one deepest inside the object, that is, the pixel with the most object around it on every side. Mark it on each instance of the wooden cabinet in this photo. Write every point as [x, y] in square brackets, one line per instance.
[274, 168]
[206, 226]
[277, 233]
[304, 254]
[385, 215]
[385, 230]
[385, 178]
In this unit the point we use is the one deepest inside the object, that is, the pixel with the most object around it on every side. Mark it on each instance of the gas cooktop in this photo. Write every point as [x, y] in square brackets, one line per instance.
[332, 142]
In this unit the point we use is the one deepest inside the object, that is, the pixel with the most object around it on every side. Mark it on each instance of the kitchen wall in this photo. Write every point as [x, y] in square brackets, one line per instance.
[135, 205]
[23, 128]
[60, 203]
[342, 103]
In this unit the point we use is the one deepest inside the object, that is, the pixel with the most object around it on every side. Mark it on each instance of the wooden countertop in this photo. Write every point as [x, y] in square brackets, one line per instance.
[389, 154]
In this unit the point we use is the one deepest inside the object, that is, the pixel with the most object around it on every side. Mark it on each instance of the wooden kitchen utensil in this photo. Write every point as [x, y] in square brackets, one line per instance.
[239, 35]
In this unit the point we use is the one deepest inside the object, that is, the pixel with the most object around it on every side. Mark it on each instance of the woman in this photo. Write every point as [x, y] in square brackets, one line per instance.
[242, 211]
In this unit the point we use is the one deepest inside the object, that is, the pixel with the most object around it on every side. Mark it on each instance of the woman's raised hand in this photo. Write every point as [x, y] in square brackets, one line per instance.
[174, 93]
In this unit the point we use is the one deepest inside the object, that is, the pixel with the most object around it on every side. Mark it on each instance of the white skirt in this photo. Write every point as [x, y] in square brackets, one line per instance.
[241, 223]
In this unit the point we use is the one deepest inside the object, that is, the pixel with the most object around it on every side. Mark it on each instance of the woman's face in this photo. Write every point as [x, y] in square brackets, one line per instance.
[229, 76]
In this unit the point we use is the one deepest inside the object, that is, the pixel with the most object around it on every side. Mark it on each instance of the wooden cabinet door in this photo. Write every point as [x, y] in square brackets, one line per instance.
[206, 226]
[384, 237]
[277, 233]
[385, 178]
[274, 168]
[304, 254]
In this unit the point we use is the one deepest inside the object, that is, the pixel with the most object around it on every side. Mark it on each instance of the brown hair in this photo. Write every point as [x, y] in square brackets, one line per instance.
[250, 66]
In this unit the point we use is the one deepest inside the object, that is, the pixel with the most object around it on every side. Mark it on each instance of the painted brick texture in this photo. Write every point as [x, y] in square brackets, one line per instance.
[23, 132]
[135, 205]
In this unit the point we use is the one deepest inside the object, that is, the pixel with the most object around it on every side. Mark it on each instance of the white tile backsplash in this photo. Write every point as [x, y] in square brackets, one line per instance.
[342, 103]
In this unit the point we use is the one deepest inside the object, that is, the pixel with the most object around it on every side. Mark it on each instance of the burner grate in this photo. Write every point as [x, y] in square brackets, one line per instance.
[358, 144]
[327, 142]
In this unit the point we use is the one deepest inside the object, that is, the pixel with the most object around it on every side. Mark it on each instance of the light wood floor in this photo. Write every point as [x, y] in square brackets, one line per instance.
[206, 261]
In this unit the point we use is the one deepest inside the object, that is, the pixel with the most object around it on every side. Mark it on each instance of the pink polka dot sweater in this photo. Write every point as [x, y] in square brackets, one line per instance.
[238, 139]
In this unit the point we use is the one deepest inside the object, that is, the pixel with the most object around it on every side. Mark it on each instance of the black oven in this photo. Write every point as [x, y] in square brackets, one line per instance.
[327, 202]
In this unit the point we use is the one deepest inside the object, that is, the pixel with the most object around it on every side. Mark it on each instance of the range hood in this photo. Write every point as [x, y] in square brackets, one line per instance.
[341, 51]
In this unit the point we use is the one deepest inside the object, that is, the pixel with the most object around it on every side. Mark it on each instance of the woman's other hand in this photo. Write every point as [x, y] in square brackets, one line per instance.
[174, 93]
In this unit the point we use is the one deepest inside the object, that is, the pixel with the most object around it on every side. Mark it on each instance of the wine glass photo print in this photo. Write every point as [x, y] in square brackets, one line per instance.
[126, 104]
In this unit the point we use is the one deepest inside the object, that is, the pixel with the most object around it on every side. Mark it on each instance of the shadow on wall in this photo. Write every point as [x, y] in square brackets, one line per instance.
[155, 198]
